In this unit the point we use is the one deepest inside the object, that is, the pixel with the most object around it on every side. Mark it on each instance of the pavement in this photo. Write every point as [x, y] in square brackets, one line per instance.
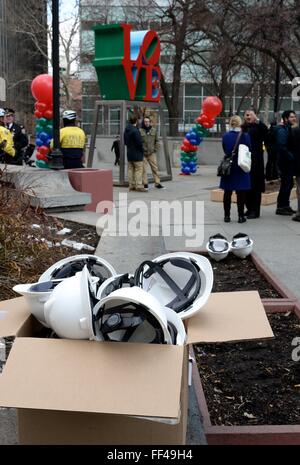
[276, 239]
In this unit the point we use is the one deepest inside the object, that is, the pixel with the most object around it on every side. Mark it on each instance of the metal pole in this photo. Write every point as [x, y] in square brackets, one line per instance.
[56, 155]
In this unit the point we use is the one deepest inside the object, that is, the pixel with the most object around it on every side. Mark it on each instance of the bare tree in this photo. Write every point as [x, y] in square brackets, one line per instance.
[38, 30]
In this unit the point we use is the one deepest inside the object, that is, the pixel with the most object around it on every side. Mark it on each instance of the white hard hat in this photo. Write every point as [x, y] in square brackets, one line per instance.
[218, 247]
[67, 267]
[181, 281]
[118, 281]
[2, 112]
[69, 114]
[133, 315]
[68, 311]
[36, 295]
[241, 245]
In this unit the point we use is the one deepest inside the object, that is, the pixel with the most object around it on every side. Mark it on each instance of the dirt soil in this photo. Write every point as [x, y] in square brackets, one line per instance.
[32, 266]
[253, 383]
[234, 274]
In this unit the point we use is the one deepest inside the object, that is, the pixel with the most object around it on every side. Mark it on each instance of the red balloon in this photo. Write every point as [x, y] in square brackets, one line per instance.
[38, 114]
[42, 88]
[44, 150]
[40, 106]
[41, 156]
[202, 119]
[207, 124]
[48, 114]
[212, 106]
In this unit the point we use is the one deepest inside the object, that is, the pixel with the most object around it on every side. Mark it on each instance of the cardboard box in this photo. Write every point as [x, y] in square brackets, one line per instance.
[88, 392]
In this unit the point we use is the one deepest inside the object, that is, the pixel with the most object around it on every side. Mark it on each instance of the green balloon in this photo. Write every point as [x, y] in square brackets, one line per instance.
[42, 164]
[43, 122]
[39, 129]
[48, 129]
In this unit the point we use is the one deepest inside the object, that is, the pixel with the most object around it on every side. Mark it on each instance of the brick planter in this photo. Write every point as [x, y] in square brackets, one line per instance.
[97, 182]
[270, 198]
[245, 435]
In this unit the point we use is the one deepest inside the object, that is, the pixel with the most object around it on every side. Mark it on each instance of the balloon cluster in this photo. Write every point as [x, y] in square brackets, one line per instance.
[211, 107]
[41, 89]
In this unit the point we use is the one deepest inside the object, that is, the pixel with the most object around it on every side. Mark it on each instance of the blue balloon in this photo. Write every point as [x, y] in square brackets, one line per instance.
[194, 141]
[44, 136]
[183, 164]
[186, 170]
[39, 142]
[194, 169]
[191, 135]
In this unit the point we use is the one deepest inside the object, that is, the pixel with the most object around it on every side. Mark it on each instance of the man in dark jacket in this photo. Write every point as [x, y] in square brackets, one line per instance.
[295, 149]
[19, 136]
[116, 148]
[258, 134]
[286, 162]
[135, 155]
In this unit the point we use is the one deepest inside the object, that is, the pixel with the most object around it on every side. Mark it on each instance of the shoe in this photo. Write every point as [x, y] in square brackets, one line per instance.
[242, 219]
[252, 216]
[226, 219]
[289, 209]
[296, 218]
[146, 186]
[159, 186]
[284, 211]
[131, 189]
[141, 189]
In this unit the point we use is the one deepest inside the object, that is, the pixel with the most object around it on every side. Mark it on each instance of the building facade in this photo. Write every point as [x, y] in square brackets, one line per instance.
[20, 56]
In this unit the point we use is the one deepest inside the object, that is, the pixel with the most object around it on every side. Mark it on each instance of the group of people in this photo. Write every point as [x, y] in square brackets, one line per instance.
[142, 146]
[13, 138]
[282, 142]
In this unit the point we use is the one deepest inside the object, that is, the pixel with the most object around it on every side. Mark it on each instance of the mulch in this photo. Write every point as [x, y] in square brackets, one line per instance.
[233, 274]
[253, 382]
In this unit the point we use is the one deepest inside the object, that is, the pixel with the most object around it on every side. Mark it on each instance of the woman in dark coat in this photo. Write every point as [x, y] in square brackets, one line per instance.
[238, 180]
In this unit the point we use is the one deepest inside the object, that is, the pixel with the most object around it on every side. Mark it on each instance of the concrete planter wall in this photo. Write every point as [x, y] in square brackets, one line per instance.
[245, 435]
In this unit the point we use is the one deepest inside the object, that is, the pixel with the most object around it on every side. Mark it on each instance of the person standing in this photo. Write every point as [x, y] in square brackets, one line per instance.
[237, 180]
[286, 162]
[295, 148]
[150, 145]
[72, 141]
[19, 136]
[258, 133]
[7, 151]
[116, 148]
[135, 155]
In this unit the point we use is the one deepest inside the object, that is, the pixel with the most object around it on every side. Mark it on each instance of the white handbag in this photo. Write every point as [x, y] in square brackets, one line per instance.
[244, 158]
